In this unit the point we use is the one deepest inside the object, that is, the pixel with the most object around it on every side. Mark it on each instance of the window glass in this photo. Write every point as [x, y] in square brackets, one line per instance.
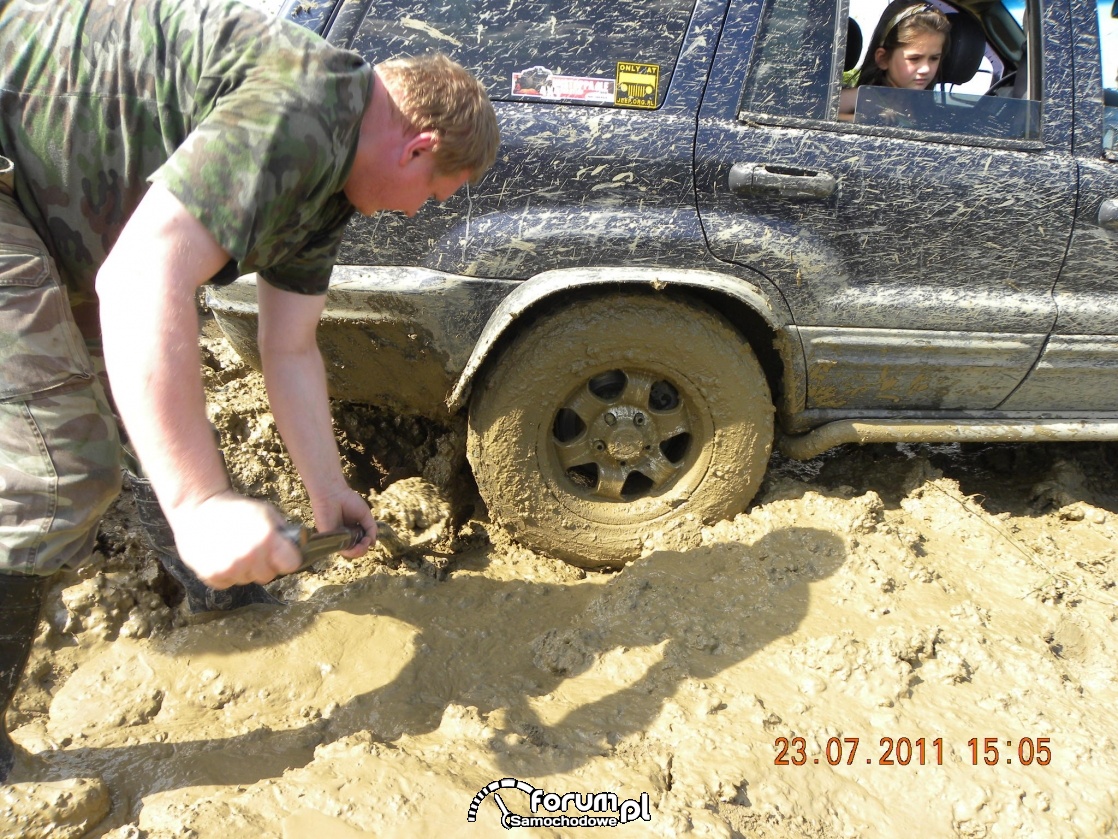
[949, 112]
[605, 52]
[793, 68]
[1108, 41]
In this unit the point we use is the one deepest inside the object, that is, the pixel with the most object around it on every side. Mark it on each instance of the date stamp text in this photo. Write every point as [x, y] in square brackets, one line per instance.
[909, 751]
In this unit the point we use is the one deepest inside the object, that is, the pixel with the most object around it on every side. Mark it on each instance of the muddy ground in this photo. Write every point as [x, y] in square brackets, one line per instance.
[878, 608]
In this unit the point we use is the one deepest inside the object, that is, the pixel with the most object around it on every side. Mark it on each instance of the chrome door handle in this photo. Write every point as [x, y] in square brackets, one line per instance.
[1108, 214]
[785, 181]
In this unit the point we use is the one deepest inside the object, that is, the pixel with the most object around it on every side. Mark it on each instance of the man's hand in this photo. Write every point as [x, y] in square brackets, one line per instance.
[232, 540]
[342, 509]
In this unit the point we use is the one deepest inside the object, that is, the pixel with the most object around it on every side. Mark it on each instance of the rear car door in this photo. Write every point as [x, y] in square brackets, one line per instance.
[596, 102]
[918, 257]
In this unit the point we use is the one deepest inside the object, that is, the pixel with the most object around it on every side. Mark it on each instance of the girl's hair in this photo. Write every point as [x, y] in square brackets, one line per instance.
[900, 22]
[434, 93]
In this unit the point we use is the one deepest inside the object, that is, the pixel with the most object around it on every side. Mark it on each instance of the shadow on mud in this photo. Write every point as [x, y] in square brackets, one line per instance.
[569, 669]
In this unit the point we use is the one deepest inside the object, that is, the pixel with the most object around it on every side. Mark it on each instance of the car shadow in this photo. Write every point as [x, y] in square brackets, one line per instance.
[569, 667]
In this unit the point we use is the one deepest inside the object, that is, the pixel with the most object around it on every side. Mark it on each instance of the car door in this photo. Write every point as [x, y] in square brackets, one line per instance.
[1078, 370]
[919, 259]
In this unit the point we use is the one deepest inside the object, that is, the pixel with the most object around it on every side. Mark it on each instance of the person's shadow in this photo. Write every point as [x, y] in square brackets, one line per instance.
[607, 654]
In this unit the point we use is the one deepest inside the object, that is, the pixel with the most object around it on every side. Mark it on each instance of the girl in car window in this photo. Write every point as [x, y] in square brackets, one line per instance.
[906, 50]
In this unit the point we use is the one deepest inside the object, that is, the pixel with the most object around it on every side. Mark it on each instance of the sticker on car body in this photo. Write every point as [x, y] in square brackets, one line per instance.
[542, 83]
[637, 84]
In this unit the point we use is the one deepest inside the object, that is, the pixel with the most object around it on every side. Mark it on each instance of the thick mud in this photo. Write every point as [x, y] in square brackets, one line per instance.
[892, 640]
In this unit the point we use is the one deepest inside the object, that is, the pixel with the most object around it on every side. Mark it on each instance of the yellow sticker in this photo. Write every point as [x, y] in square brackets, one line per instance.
[637, 85]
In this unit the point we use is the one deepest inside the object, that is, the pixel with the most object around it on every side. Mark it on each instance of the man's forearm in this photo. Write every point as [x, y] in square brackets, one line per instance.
[296, 383]
[152, 357]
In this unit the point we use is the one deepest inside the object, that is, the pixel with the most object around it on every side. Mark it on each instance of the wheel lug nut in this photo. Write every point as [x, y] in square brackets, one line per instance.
[610, 419]
[638, 419]
[599, 445]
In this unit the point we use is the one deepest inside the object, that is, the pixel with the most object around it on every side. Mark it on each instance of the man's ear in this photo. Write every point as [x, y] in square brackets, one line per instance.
[425, 142]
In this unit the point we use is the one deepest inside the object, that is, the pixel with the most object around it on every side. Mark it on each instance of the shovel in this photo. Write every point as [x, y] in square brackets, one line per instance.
[315, 546]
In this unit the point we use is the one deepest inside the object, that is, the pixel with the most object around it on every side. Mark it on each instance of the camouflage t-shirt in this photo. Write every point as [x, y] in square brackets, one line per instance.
[251, 123]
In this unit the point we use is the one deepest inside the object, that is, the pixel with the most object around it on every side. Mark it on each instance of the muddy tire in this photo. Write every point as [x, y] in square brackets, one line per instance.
[617, 419]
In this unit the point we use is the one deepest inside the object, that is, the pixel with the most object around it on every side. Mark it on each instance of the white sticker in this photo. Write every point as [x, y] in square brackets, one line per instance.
[541, 83]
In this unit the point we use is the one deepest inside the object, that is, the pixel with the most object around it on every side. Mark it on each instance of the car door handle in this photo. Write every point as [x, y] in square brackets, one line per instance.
[1108, 214]
[785, 181]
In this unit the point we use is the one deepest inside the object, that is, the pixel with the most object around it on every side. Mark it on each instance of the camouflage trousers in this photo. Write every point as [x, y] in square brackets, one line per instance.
[59, 445]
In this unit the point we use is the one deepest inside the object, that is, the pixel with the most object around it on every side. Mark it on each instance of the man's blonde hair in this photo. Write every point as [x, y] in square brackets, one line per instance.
[435, 93]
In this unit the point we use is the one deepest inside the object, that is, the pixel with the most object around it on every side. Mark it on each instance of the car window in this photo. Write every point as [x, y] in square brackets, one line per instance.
[806, 49]
[1108, 41]
[792, 66]
[598, 52]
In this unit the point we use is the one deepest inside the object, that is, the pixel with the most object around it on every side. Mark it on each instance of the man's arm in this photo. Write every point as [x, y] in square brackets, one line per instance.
[296, 382]
[149, 324]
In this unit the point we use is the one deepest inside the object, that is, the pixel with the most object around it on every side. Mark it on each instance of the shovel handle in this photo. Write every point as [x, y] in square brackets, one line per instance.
[315, 546]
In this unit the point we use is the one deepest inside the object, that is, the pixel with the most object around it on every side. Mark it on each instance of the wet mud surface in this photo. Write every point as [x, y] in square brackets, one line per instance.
[878, 609]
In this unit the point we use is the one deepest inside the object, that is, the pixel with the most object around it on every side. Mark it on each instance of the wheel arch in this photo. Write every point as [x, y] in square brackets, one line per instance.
[745, 306]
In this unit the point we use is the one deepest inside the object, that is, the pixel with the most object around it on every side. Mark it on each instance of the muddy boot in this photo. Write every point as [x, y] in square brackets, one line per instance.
[21, 602]
[199, 596]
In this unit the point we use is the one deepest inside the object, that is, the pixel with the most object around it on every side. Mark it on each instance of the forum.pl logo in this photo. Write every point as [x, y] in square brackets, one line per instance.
[597, 809]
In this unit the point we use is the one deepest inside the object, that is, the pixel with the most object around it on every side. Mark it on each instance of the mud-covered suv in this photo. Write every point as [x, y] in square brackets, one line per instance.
[682, 251]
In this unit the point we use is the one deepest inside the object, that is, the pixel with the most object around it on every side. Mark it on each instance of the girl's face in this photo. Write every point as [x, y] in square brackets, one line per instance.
[912, 65]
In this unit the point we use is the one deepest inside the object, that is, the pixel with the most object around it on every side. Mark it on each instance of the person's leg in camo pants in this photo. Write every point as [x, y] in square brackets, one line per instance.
[59, 448]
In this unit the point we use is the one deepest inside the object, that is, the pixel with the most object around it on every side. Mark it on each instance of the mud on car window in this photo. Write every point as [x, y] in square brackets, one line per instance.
[989, 73]
[595, 52]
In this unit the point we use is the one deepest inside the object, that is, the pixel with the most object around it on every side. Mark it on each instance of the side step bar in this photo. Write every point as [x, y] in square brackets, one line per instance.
[807, 446]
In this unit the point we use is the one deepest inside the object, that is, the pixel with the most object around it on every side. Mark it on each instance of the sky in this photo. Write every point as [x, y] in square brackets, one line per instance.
[1108, 32]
